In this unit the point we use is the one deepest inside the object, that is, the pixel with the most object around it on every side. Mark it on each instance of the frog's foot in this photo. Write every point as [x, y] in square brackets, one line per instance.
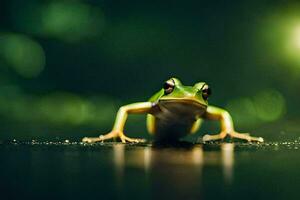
[222, 135]
[207, 138]
[111, 135]
[125, 139]
[245, 136]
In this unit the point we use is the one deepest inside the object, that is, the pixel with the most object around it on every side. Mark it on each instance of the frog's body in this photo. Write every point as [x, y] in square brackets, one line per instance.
[173, 120]
[175, 115]
[175, 111]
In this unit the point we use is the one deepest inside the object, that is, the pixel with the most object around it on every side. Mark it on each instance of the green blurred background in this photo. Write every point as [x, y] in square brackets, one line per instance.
[66, 66]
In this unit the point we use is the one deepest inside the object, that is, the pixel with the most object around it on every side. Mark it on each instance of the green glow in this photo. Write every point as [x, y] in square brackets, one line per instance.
[270, 105]
[63, 109]
[293, 42]
[71, 21]
[282, 36]
[243, 112]
[266, 106]
[23, 54]
[296, 37]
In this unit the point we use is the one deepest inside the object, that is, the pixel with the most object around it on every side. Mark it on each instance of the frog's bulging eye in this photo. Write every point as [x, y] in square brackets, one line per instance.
[169, 86]
[206, 92]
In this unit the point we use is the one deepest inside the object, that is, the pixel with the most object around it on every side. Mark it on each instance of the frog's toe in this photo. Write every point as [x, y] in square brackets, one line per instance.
[93, 139]
[87, 140]
[140, 140]
[259, 139]
[206, 138]
[125, 139]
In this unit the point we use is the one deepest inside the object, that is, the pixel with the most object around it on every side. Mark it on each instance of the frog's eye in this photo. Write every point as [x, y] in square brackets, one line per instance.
[169, 86]
[206, 92]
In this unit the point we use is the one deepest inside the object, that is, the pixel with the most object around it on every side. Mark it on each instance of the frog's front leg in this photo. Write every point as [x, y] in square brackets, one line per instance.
[117, 131]
[214, 113]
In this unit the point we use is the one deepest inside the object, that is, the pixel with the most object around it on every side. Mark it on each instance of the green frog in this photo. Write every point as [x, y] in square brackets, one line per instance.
[174, 112]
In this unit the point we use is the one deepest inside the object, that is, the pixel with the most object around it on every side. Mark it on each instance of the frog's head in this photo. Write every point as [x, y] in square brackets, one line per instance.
[175, 91]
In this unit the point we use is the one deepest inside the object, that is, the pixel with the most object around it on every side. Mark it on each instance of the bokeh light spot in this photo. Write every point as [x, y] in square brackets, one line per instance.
[23, 54]
[266, 106]
[281, 35]
[270, 105]
[71, 21]
[69, 109]
[243, 112]
[296, 37]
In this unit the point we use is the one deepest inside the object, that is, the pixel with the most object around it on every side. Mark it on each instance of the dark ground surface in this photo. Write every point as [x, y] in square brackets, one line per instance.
[67, 170]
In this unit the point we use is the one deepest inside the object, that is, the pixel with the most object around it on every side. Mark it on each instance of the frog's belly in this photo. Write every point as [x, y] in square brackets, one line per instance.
[168, 129]
[175, 119]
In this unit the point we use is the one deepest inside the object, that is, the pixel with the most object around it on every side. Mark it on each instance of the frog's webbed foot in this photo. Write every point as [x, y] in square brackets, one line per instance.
[112, 135]
[233, 134]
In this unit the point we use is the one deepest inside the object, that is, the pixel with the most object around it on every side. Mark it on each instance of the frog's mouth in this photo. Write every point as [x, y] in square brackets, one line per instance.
[184, 107]
[184, 102]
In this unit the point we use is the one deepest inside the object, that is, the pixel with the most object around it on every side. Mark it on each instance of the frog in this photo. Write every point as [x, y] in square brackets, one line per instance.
[174, 112]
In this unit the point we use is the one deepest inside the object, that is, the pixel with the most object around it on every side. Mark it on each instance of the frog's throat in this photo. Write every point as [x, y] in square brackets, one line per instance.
[192, 101]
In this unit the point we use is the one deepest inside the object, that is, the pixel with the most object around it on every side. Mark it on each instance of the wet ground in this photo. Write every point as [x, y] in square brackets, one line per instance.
[71, 170]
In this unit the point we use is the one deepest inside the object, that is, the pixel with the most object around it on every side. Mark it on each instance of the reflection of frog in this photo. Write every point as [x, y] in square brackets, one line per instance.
[173, 112]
